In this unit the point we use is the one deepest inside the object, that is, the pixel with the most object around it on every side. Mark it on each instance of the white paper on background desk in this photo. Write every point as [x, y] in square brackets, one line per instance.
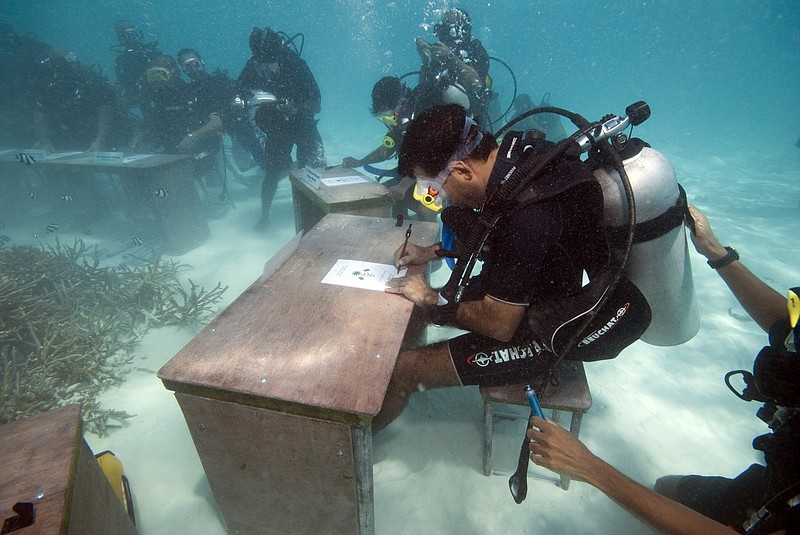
[57, 155]
[133, 158]
[358, 274]
[344, 180]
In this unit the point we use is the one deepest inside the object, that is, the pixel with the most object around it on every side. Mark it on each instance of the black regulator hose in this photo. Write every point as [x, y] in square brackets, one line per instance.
[494, 208]
[576, 119]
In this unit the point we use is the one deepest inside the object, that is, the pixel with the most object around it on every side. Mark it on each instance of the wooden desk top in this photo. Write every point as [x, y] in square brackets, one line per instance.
[37, 456]
[87, 159]
[292, 343]
[345, 197]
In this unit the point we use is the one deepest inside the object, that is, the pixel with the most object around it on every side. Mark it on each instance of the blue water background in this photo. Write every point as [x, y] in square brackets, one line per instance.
[719, 73]
[722, 78]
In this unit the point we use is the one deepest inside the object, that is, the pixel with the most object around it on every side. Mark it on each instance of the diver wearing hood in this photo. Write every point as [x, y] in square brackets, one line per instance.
[456, 69]
[287, 117]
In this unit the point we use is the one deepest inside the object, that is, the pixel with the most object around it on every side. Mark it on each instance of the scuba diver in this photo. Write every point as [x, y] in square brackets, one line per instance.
[21, 57]
[176, 121]
[539, 219]
[394, 104]
[74, 106]
[132, 61]
[283, 99]
[456, 69]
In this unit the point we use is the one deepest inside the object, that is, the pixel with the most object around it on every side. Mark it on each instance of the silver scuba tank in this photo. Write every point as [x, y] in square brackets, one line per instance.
[660, 266]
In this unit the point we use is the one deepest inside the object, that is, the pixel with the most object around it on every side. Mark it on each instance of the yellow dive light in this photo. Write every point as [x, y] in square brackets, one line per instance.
[794, 306]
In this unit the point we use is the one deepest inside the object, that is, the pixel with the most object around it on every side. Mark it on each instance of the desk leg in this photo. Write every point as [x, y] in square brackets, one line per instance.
[306, 213]
[276, 472]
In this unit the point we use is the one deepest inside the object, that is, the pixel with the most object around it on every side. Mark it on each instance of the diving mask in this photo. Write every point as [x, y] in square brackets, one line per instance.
[158, 74]
[192, 67]
[430, 191]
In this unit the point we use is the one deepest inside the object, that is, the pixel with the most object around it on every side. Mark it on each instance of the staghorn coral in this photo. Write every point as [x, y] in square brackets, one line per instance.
[68, 326]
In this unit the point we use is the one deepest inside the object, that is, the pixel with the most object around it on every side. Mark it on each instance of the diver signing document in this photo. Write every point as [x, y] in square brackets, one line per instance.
[358, 274]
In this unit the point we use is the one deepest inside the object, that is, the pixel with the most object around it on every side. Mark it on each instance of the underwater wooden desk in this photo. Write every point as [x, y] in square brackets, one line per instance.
[312, 203]
[279, 391]
[177, 210]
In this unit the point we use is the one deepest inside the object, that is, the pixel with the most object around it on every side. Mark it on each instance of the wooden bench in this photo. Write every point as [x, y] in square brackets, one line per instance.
[570, 395]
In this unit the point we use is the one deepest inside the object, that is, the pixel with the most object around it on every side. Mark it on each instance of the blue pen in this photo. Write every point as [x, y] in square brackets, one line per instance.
[536, 409]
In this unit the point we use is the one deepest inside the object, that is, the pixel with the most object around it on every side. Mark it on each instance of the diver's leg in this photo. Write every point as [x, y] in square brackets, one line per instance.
[416, 370]
[278, 159]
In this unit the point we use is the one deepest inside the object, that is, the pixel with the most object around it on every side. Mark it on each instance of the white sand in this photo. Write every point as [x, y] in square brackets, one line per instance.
[657, 410]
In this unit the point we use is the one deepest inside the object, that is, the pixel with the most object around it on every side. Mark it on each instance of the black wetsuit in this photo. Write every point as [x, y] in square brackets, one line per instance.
[537, 252]
[130, 67]
[171, 112]
[21, 60]
[732, 501]
[435, 77]
[70, 96]
[286, 125]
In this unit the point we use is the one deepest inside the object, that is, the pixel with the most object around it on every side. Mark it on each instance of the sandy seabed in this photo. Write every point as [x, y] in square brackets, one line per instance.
[656, 410]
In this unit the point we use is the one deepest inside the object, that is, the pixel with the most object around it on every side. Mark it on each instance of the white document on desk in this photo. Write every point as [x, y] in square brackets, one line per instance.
[359, 274]
[344, 180]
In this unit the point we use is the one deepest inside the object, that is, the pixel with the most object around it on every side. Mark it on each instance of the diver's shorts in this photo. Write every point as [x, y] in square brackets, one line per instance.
[728, 501]
[484, 361]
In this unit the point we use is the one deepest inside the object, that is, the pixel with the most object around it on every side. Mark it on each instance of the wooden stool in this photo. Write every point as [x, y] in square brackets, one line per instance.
[571, 395]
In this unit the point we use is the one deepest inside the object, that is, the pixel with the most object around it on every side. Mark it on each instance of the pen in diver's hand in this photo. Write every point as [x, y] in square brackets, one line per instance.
[405, 244]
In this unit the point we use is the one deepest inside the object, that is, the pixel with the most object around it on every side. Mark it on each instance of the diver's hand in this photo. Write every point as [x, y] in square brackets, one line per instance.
[351, 162]
[415, 288]
[98, 145]
[46, 144]
[703, 237]
[558, 450]
[440, 53]
[415, 255]
[187, 144]
[397, 192]
[423, 49]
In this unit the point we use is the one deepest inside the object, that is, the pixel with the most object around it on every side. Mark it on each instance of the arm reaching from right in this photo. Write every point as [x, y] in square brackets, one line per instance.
[762, 303]
[558, 450]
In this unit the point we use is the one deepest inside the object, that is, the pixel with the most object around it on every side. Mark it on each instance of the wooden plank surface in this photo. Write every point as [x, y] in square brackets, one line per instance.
[293, 339]
[86, 160]
[337, 199]
[281, 474]
[37, 458]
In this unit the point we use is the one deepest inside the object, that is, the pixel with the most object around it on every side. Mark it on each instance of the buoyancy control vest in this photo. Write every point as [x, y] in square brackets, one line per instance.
[639, 280]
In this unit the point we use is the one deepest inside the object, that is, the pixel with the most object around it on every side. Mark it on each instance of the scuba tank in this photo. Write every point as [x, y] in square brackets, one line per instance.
[611, 311]
[659, 259]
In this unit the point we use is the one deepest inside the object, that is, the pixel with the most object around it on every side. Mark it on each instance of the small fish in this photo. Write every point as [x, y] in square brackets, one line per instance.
[161, 193]
[88, 232]
[52, 227]
[67, 198]
[137, 240]
[35, 235]
[25, 158]
[32, 195]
